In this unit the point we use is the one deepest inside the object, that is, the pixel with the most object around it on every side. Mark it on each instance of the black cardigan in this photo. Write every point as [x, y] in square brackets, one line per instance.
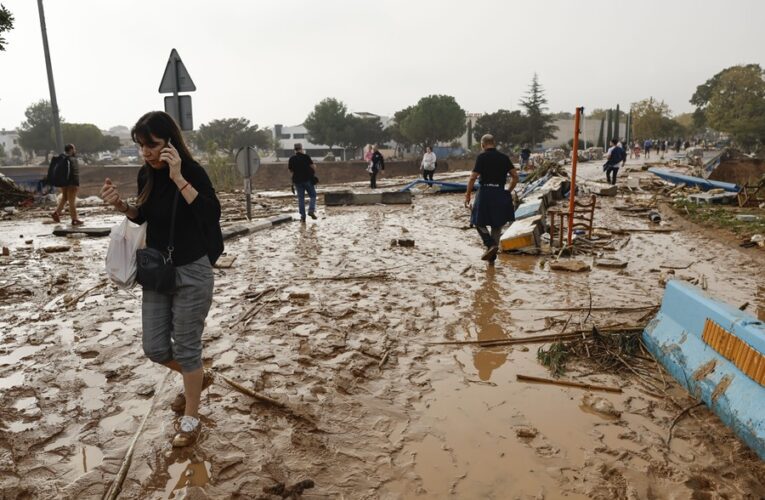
[197, 225]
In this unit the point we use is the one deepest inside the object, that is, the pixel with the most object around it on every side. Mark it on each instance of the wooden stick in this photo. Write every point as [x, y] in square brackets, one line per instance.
[583, 333]
[116, 487]
[74, 301]
[384, 359]
[586, 308]
[251, 393]
[567, 383]
[679, 416]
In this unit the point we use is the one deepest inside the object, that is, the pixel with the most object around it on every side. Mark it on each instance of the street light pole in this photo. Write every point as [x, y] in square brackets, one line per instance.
[51, 86]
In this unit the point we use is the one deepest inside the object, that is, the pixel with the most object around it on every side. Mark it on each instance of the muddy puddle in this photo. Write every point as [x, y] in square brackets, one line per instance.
[331, 320]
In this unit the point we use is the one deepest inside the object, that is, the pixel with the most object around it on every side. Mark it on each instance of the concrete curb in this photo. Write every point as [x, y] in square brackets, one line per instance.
[253, 227]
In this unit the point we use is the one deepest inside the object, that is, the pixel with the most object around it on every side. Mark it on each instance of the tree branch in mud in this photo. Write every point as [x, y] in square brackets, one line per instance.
[568, 383]
[678, 417]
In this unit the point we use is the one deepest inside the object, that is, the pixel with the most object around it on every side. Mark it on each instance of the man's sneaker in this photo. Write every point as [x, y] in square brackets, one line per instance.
[490, 254]
[179, 403]
[312, 215]
[188, 429]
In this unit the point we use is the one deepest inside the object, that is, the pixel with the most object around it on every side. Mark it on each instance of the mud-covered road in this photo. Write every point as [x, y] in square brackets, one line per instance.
[333, 321]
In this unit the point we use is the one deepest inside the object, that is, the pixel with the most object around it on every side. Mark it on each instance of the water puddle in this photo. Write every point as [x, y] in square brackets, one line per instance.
[125, 421]
[228, 357]
[87, 458]
[186, 473]
[19, 354]
[12, 380]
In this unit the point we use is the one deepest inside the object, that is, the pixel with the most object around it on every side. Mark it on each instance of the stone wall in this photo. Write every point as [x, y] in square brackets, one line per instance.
[270, 175]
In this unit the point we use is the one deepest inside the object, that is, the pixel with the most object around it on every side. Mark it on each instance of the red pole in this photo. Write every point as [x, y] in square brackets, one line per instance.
[574, 159]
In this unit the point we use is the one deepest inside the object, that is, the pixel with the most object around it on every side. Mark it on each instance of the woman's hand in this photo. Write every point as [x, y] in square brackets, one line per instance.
[110, 194]
[170, 156]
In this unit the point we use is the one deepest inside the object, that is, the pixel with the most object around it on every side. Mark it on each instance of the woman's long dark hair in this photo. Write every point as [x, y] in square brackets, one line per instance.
[160, 125]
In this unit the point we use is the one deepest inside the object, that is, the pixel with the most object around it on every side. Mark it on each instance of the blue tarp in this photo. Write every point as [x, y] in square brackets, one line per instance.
[701, 183]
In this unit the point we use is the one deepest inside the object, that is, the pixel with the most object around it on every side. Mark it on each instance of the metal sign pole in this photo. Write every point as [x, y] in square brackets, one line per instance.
[248, 184]
[572, 192]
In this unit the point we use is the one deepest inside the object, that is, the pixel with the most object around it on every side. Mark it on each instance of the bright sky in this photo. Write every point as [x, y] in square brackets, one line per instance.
[272, 61]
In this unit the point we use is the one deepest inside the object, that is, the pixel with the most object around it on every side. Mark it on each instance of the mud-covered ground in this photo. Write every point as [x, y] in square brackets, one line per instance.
[333, 321]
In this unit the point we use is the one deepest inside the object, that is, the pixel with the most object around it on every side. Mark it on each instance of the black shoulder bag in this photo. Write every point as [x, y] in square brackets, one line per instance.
[154, 271]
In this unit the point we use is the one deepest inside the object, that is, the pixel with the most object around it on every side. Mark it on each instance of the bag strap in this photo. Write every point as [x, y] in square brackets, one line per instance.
[170, 246]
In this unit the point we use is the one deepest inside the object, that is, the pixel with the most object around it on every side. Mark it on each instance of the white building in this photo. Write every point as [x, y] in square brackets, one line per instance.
[9, 140]
[289, 136]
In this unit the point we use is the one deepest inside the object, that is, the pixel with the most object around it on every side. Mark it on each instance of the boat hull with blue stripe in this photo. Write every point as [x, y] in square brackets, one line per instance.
[716, 352]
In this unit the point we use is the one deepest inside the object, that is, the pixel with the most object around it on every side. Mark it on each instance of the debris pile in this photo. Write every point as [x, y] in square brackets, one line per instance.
[11, 193]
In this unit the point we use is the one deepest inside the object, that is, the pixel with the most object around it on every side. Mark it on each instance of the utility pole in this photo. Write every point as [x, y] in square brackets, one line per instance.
[51, 86]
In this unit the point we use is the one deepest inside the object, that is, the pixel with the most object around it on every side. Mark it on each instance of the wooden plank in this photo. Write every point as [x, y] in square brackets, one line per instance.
[225, 261]
[95, 232]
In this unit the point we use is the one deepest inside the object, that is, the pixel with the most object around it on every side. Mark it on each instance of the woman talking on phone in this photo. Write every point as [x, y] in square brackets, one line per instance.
[182, 213]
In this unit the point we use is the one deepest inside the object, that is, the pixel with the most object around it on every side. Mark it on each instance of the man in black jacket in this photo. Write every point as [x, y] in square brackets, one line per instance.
[303, 172]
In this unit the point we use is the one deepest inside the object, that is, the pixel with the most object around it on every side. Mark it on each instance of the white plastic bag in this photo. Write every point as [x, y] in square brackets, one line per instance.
[126, 237]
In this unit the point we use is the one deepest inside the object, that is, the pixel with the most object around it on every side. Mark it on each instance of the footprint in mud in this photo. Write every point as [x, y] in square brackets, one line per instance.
[88, 354]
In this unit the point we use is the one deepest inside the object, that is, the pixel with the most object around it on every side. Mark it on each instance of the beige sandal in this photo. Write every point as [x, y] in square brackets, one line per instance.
[188, 430]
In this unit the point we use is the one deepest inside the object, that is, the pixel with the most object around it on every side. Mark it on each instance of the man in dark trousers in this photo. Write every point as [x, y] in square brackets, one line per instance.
[493, 206]
[378, 164]
[303, 173]
[525, 155]
[614, 158]
[69, 192]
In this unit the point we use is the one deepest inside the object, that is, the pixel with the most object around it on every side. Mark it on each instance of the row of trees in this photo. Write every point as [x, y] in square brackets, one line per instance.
[433, 119]
[331, 124]
[732, 102]
[36, 133]
[531, 126]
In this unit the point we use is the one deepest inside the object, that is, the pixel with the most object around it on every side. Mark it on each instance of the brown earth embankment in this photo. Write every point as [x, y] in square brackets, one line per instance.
[740, 171]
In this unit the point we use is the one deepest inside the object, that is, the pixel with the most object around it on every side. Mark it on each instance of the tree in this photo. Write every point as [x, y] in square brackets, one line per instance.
[88, 138]
[2, 151]
[733, 101]
[435, 118]
[229, 134]
[36, 133]
[509, 128]
[597, 114]
[16, 152]
[6, 24]
[394, 128]
[328, 122]
[653, 119]
[362, 131]
[539, 123]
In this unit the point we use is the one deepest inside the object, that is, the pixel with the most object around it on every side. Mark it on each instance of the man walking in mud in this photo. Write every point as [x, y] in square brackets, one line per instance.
[69, 192]
[303, 174]
[493, 206]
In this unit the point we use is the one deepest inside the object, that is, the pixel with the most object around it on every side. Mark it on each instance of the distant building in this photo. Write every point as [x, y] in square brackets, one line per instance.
[289, 136]
[9, 139]
[588, 131]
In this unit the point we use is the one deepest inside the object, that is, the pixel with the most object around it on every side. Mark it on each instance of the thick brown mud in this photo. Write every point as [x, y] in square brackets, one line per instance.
[334, 322]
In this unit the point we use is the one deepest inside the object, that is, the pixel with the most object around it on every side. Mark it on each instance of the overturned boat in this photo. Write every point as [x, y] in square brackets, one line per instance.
[717, 352]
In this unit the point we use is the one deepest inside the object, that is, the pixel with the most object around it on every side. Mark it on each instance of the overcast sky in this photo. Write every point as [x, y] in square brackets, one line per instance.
[272, 61]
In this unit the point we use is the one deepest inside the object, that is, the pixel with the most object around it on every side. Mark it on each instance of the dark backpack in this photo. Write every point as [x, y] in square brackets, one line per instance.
[59, 171]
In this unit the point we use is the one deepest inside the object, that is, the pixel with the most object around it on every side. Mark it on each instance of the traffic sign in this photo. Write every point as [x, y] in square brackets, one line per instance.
[176, 78]
[247, 161]
[183, 116]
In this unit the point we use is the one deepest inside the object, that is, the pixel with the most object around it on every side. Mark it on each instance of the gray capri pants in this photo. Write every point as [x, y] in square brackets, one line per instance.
[173, 322]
